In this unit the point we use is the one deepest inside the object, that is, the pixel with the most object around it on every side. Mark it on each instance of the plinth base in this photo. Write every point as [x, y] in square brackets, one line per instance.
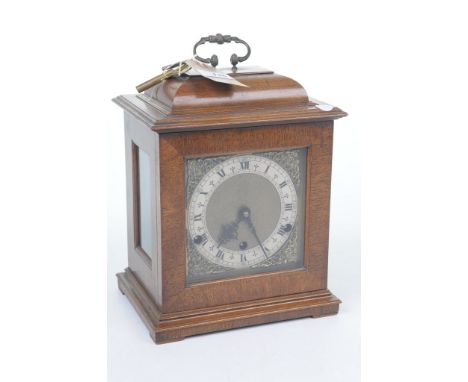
[170, 327]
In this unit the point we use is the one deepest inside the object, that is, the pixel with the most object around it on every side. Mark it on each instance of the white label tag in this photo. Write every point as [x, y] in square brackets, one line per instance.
[322, 105]
[211, 73]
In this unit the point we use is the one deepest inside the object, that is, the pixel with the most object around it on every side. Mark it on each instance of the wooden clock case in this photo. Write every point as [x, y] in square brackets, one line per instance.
[196, 117]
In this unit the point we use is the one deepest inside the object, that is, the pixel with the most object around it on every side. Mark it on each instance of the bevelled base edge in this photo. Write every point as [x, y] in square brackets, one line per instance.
[174, 327]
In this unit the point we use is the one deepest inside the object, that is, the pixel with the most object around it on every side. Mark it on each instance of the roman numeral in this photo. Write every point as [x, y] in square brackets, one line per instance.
[288, 207]
[221, 173]
[283, 184]
[220, 254]
[281, 231]
[197, 218]
[266, 170]
[244, 165]
[285, 229]
[201, 239]
[243, 257]
[203, 193]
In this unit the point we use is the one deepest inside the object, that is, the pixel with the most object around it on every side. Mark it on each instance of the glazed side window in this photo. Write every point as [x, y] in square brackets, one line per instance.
[143, 202]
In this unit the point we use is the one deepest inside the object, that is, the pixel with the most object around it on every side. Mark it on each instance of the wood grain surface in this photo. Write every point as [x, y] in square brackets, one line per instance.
[181, 119]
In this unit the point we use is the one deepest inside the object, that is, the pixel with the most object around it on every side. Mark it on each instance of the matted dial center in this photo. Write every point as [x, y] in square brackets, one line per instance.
[238, 200]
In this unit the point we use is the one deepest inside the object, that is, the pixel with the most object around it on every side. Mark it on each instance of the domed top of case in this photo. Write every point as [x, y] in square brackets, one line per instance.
[196, 103]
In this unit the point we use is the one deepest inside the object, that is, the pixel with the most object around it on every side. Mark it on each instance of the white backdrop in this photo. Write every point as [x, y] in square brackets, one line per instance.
[327, 349]
[397, 67]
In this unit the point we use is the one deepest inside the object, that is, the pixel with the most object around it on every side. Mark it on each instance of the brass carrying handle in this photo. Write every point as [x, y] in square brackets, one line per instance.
[221, 39]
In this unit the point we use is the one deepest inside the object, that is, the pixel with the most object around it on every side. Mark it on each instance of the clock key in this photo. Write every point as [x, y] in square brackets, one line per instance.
[174, 70]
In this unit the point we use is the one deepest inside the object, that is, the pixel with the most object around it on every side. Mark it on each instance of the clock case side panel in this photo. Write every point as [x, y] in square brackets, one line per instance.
[175, 148]
[145, 268]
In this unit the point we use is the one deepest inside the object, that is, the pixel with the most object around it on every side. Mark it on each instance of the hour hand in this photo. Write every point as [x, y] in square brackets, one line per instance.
[228, 232]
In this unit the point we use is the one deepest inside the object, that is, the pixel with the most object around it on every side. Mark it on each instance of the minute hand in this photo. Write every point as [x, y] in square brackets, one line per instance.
[254, 231]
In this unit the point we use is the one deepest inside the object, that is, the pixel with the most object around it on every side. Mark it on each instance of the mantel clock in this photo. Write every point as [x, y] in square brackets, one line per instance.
[228, 192]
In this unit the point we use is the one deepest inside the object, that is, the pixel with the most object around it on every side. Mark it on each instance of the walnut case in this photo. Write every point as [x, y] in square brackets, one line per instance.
[196, 117]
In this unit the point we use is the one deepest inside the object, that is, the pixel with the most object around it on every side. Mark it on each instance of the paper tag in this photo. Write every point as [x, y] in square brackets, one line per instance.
[322, 105]
[211, 73]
